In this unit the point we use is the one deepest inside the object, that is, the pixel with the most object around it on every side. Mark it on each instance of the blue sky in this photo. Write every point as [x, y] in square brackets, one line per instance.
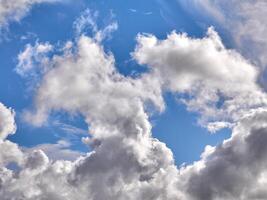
[151, 100]
[54, 23]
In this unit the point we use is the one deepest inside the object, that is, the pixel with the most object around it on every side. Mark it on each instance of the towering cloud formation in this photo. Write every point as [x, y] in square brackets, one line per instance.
[126, 162]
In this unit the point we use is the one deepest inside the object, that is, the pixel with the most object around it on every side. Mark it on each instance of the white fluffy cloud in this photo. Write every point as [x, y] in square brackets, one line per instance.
[245, 20]
[14, 10]
[126, 162]
[9, 152]
[7, 122]
[221, 84]
[211, 74]
[92, 71]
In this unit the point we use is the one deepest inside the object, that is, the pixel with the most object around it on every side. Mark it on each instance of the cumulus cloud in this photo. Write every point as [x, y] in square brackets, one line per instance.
[85, 69]
[219, 82]
[245, 20]
[126, 159]
[126, 162]
[14, 10]
[236, 168]
[7, 122]
[9, 152]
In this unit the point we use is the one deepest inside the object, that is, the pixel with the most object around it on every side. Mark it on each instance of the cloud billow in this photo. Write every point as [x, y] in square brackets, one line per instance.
[126, 162]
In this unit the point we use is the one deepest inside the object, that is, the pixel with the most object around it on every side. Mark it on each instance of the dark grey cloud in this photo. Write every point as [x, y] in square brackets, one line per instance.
[234, 169]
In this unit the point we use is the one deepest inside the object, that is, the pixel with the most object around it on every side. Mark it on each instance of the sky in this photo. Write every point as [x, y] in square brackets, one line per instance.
[156, 99]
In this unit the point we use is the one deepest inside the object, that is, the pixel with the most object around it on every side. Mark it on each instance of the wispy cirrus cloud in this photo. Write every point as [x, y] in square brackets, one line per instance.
[58, 151]
[32, 58]
[88, 21]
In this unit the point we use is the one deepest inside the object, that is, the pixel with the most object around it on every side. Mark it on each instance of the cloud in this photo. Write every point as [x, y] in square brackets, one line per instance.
[236, 168]
[14, 10]
[91, 71]
[59, 151]
[213, 127]
[70, 128]
[132, 10]
[33, 57]
[126, 162]
[244, 20]
[219, 83]
[125, 155]
[88, 21]
[7, 122]
[9, 152]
